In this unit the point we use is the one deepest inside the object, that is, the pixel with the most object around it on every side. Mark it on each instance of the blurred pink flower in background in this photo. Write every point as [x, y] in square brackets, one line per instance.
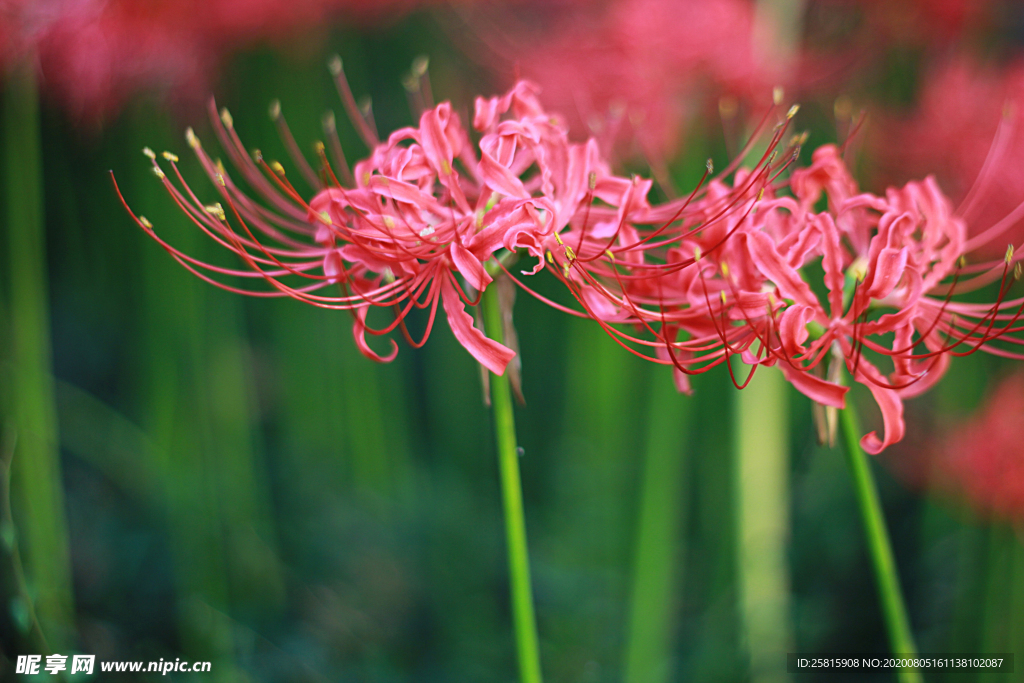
[968, 130]
[982, 458]
[636, 70]
[94, 54]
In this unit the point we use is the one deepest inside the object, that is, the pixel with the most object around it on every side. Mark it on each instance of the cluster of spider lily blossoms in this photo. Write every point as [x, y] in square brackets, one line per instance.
[772, 265]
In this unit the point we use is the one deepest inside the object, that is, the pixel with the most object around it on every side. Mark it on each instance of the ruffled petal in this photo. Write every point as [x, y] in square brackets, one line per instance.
[889, 403]
[815, 388]
[470, 267]
[488, 352]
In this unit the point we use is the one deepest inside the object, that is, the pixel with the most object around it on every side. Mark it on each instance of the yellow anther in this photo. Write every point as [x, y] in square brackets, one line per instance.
[696, 253]
[149, 153]
[961, 262]
[334, 65]
[725, 269]
[792, 111]
[446, 168]
[777, 94]
[420, 65]
[727, 107]
[551, 259]
[366, 105]
[609, 254]
[220, 180]
[275, 110]
[326, 218]
[216, 210]
[1009, 254]
[592, 180]
[145, 223]
[804, 136]
[366, 177]
[220, 167]
[558, 238]
[710, 165]
[843, 108]
[565, 270]
[278, 168]
[760, 194]
[479, 218]
[859, 269]
[318, 147]
[171, 157]
[721, 295]
[569, 253]
[389, 276]
[257, 155]
[190, 136]
[389, 222]
[225, 116]
[1017, 271]
[159, 173]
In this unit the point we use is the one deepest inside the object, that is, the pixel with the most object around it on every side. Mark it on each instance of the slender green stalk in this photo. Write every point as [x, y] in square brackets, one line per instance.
[36, 469]
[512, 498]
[894, 610]
[659, 545]
[762, 518]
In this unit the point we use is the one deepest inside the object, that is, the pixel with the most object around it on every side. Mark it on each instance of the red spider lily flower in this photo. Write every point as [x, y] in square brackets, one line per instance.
[889, 266]
[982, 459]
[621, 257]
[426, 207]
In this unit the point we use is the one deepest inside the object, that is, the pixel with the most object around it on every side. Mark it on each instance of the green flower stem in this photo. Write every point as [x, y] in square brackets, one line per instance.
[512, 497]
[762, 522]
[659, 545]
[901, 640]
[36, 472]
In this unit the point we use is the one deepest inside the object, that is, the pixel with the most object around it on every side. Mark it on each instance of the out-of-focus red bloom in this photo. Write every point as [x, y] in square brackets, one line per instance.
[912, 22]
[636, 69]
[968, 129]
[983, 458]
[427, 206]
[94, 54]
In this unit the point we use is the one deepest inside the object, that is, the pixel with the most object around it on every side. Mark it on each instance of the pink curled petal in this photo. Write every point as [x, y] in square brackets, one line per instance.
[470, 267]
[767, 259]
[889, 403]
[500, 179]
[359, 332]
[815, 388]
[433, 137]
[405, 193]
[888, 270]
[600, 307]
[488, 352]
[793, 328]
[832, 263]
[333, 266]
[681, 380]
[748, 356]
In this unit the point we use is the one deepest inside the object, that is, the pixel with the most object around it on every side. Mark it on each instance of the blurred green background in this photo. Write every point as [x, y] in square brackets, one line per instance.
[241, 486]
